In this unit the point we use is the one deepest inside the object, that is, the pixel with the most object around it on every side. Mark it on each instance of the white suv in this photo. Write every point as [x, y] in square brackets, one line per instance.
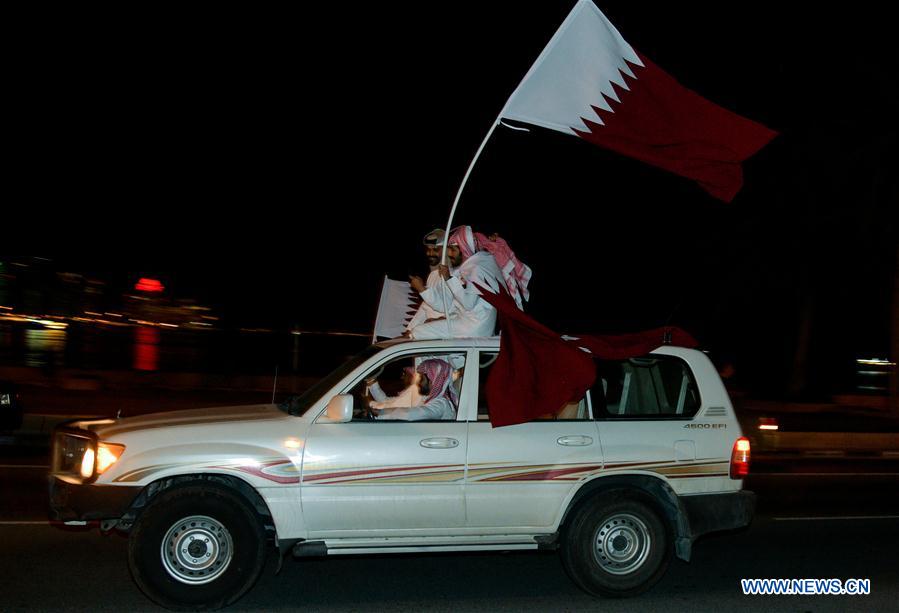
[648, 461]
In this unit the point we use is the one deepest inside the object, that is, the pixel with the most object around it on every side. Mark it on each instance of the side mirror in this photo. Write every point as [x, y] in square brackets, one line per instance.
[339, 411]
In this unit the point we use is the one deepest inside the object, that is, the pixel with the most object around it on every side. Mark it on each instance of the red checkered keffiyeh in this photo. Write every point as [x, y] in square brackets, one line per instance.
[440, 376]
[463, 238]
[516, 273]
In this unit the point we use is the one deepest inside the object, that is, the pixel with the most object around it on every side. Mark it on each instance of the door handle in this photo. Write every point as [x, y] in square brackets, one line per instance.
[438, 443]
[574, 441]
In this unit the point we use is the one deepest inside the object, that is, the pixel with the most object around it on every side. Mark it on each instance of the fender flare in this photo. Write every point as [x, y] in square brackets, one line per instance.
[656, 489]
[225, 481]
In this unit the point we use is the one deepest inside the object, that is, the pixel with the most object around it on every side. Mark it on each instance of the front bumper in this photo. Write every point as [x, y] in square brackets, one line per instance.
[714, 512]
[70, 502]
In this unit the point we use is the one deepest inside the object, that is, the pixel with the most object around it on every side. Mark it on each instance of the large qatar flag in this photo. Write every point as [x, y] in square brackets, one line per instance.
[537, 371]
[591, 83]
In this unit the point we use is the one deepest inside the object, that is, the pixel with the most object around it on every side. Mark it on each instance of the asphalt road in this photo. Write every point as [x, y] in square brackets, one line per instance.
[809, 526]
[43, 568]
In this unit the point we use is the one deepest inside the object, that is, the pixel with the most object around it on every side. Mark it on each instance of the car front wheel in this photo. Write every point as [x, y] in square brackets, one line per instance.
[616, 545]
[196, 547]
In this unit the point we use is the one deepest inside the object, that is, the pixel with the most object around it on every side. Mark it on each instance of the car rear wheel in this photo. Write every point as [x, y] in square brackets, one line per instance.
[196, 547]
[616, 545]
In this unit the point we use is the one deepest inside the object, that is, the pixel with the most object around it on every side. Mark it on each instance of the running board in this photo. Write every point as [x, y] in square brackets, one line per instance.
[319, 548]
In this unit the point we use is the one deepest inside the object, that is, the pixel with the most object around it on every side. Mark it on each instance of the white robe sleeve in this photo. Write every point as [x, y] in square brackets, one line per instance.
[426, 310]
[434, 297]
[376, 392]
[439, 408]
[467, 296]
[409, 397]
[419, 318]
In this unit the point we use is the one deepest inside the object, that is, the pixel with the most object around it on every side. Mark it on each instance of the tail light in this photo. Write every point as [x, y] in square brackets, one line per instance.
[739, 459]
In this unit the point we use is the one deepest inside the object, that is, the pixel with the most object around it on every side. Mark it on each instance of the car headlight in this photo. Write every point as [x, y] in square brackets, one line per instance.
[87, 463]
[5, 399]
[106, 455]
[78, 456]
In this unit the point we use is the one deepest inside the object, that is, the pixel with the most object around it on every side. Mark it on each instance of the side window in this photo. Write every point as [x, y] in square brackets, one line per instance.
[411, 388]
[647, 387]
[577, 411]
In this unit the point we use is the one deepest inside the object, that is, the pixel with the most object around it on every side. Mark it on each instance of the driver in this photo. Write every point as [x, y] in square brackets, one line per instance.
[409, 397]
[435, 385]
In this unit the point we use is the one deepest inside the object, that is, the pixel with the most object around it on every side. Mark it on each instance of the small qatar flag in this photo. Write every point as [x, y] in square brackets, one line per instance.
[396, 308]
[590, 82]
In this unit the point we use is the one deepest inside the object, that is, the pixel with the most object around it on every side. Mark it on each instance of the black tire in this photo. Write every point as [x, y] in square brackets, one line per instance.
[616, 545]
[230, 548]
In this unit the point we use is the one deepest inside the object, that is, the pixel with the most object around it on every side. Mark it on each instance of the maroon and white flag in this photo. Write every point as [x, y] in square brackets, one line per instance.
[396, 308]
[591, 83]
[538, 371]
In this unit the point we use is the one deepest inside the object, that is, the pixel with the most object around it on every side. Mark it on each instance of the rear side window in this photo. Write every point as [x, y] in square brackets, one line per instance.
[650, 387]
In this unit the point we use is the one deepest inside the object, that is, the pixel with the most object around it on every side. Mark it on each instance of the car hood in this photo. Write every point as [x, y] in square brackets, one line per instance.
[192, 417]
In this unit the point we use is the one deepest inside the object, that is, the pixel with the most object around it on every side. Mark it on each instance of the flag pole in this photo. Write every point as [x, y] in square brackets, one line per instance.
[496, 122]
[374, 332]
[449, 222]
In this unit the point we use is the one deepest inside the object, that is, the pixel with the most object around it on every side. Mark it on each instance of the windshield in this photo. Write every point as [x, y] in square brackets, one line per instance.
[297, 405]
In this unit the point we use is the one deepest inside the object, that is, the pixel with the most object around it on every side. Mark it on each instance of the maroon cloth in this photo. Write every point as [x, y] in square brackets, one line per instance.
[661, 122]
[623, 346]
[537, 372]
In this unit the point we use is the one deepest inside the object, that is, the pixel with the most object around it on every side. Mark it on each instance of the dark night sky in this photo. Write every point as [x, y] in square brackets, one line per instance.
[277, 164]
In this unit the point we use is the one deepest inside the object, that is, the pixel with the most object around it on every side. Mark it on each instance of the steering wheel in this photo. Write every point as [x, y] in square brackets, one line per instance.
[362, 407]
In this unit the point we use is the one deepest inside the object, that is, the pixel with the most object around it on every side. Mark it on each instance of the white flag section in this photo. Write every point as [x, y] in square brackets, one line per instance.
[575, 72]
[396, 308]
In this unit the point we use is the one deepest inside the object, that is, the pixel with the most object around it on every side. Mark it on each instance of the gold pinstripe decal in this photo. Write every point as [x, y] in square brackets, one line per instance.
[285, 471]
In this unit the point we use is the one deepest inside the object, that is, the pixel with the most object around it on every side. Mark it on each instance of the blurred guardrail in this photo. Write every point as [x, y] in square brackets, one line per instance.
[96, 380]
[852, 427]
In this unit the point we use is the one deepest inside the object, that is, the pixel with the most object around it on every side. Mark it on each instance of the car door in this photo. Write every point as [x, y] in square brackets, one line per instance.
[645, 409]
[388, 477]
[519, 476]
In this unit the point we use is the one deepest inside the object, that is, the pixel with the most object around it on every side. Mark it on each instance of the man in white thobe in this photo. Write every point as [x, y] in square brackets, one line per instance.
[454, 295]
[433, 242]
